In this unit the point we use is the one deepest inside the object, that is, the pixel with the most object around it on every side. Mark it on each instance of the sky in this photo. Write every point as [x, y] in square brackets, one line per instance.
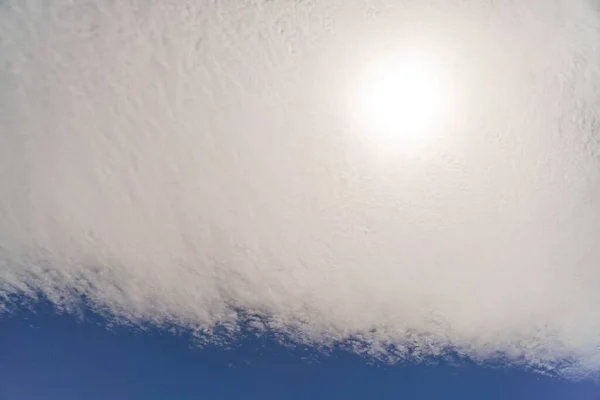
[44, 355]
[395, 181]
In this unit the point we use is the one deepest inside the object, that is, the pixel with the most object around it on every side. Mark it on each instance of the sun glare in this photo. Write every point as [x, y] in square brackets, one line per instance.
[402, 101]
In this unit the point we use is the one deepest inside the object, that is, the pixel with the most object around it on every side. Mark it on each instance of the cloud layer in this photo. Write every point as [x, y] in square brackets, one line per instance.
[172, 161]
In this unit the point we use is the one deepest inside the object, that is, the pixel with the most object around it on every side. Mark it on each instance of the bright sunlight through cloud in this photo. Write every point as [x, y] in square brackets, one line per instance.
[403, 100]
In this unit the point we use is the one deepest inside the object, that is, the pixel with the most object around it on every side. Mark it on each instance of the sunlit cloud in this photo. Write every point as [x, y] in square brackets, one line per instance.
[174, 161]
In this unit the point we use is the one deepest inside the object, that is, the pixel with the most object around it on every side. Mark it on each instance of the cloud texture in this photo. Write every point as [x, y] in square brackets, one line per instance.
[171, 161]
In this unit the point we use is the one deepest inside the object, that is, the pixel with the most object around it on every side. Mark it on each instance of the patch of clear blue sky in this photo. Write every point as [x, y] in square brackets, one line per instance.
[48, 356]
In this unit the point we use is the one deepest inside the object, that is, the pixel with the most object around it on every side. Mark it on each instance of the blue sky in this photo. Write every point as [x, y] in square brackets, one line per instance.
[44, 355]
[404, 179]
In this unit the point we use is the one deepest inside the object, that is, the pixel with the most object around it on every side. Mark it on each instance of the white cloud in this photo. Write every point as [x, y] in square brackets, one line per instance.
[173, 159]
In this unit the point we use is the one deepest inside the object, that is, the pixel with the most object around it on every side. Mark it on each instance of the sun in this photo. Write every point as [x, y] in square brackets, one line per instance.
[402, 100]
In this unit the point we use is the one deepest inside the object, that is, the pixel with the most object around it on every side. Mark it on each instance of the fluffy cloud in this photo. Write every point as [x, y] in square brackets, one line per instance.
[173, 161]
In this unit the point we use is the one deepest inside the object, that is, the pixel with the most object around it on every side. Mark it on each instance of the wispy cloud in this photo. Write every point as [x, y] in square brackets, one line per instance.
[174, 160]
